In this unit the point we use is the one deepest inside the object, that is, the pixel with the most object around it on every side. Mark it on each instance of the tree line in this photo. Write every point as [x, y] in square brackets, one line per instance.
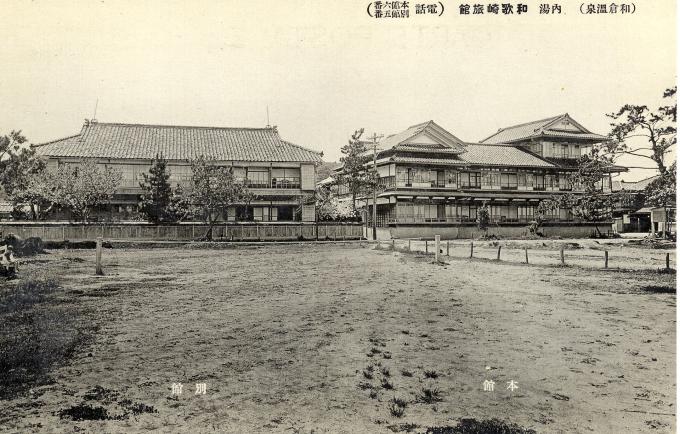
[36, 191]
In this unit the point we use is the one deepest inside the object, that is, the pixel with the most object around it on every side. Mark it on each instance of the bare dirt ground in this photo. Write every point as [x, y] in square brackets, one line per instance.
[310, 338]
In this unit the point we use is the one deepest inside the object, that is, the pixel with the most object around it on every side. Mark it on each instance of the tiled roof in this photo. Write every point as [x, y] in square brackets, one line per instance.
[638, 185]
[432, 161]
[449, 141]
[426, 149]
[131, 141]
[484, 155]
[499, 155]
[539, 128]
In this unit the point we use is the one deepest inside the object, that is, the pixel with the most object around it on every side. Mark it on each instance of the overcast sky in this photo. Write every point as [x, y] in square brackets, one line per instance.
[324, 68]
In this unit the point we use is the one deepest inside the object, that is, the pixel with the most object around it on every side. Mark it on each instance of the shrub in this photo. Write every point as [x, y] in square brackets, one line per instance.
[431, 374]
[385, 384]
[397, 407]
[429, 396]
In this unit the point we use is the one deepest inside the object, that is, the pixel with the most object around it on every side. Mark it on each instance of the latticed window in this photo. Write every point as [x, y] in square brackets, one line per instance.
[258, 177]
[470, 179]
[509, 181]
[288, 177]
[539, 182]
[525, 213]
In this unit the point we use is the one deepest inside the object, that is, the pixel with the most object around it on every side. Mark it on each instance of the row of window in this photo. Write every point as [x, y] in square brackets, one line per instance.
[254, 177]
[262, 213]
[423, 212]
[424, 178]
[557, 150]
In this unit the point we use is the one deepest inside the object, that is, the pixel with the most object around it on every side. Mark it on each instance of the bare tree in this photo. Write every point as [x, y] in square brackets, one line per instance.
[212, 191]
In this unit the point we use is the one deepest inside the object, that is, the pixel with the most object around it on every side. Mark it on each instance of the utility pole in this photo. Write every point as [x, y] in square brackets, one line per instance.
[374, 141]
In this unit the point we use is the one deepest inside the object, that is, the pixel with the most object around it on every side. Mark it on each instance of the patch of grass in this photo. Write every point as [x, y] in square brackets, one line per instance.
[136, 408]
[385, 371]
[85, 412]
[431, 374]
[397, 406]
[368, 374]
[387, 355]
[429, 395]
[385, 384]
[406, 373]
[28, 291]
[365, 385]
[473, 426]
[659, 289]
[404, 427]
[373, 394]
[38, 333]
[373, 352]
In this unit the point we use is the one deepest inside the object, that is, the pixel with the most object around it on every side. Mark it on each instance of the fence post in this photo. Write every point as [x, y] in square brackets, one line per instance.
[562, 255]
[668, 261]
[257, 232]
[447, 248]
[392, 242]
[427, 250]
[98, 266]
[498, 256]
[409, 245]
[437, 239]
[472, 249]
[606, 259]
[526, 255]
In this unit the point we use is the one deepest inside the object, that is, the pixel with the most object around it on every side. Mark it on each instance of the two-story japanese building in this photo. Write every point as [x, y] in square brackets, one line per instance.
[278, 172]
[433, 182]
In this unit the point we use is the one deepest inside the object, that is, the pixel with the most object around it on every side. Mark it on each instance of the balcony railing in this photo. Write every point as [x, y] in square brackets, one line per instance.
[286, 182]
[387, 182]
[283, 182]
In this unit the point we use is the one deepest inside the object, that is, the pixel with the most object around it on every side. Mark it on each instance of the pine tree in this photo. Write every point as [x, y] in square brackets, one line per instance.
[156, 201]
[483, 218]
[358, 178]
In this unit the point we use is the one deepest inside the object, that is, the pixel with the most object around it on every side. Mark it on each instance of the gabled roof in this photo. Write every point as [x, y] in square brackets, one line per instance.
[637, 185]
[482, 155]
[135, 141]
[445, 141]
[548, 127]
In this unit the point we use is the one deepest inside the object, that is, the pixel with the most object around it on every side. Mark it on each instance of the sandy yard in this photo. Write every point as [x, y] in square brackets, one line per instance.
[321, 338]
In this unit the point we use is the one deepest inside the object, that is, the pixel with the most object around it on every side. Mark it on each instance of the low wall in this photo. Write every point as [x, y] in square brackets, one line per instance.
[144, 232]
[452, 232]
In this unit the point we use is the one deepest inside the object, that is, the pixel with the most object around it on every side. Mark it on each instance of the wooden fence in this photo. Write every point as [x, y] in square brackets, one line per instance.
[186, 232]
[605, 257]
